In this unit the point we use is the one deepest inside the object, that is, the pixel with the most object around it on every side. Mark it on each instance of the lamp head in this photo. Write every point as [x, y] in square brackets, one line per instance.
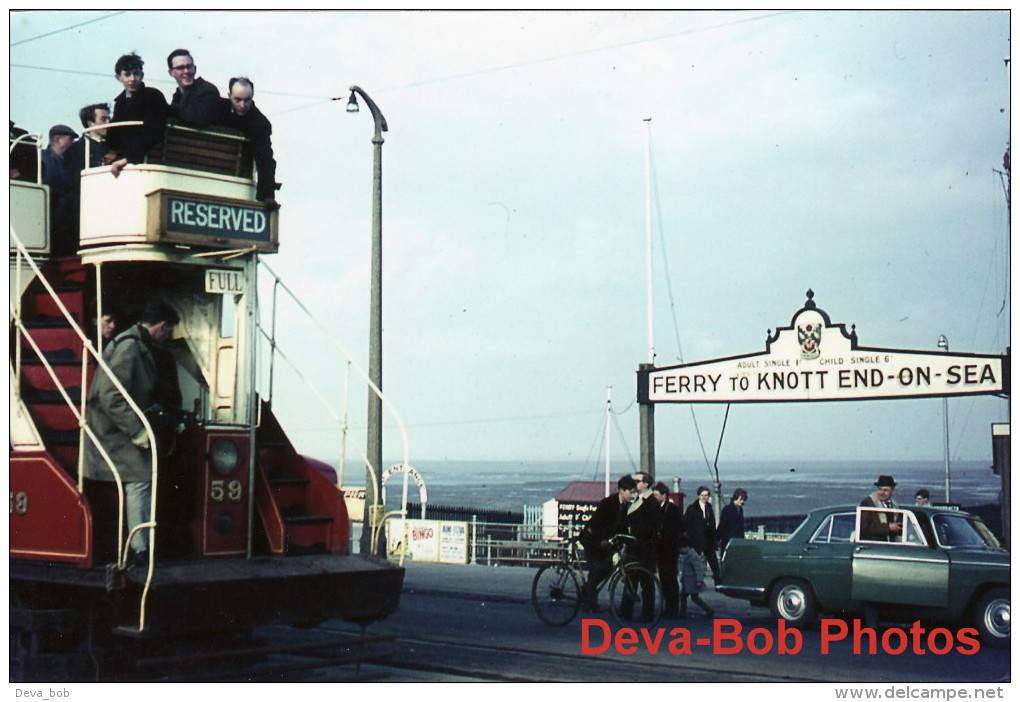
[943, 341]
[352, 103]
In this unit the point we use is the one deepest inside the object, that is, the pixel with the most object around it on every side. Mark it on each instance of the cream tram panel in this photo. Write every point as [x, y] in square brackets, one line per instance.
[30, 215]
[115, 210]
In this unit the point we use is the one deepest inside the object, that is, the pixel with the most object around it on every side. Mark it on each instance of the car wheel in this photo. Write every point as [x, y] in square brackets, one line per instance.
[793, 601]
[991, 617]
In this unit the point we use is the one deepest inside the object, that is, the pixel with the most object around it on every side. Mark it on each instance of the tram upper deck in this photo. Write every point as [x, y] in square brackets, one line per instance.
[194, 189]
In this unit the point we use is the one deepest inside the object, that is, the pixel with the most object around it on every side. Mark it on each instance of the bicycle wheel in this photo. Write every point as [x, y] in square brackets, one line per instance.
[635, 594]
[556, 594]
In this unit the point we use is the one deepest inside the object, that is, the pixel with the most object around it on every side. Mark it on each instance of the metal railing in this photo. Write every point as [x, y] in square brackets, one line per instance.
[339, 418]
[89, 354]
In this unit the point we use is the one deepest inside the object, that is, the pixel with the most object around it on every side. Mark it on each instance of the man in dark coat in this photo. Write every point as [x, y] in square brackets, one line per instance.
[96, 115]
[241, 113]
[196, 102]
[62, 182]
[731, 519]
[699, 526]
[669, 550]
[116, 425]
[91, 116]
[644, 520]
[137, 103]
[608, 520]
[881, 526]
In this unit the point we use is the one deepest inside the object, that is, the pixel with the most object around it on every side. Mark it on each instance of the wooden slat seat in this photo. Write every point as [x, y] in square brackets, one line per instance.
[218, 150]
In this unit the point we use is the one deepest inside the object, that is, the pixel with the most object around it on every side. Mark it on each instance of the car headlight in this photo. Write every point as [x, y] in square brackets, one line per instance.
[224, 456]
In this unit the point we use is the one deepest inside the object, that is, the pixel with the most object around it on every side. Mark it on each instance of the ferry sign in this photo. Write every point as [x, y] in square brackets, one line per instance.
[193, 219]
[813, 359]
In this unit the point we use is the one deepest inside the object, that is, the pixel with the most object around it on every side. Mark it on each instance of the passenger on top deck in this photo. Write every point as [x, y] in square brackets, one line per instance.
[196, 102]
[90, 116]
[97, 114]
[62, 182]
[240, 113]
[136, 103]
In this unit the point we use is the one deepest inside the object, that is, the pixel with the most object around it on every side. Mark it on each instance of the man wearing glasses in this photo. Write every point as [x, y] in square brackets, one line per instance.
[196, 103]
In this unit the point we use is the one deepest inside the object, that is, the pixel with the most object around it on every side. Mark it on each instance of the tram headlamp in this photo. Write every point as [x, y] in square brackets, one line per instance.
[224, 456]
[223, 522]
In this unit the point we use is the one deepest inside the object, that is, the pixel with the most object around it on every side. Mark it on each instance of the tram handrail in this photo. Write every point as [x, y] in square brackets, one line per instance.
[80, 412]
[279, 284]
[98, 127]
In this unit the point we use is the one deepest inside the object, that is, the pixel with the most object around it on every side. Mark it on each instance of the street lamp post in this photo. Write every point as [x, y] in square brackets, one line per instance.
[944, 345]
[373, 470]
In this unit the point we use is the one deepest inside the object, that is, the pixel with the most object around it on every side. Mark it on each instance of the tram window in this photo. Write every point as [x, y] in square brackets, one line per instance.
[228, 315]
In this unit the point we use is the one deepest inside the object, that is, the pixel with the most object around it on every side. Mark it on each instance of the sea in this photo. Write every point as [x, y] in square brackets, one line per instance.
[774, 487]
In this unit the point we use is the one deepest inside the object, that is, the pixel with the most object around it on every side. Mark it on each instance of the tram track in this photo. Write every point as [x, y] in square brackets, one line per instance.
[440, 658]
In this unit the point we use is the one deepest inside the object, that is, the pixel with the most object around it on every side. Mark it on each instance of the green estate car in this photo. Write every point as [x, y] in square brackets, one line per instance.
[944, 565]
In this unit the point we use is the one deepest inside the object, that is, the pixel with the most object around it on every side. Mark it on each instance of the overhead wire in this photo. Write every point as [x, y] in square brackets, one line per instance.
[67, 29]
[322, 100]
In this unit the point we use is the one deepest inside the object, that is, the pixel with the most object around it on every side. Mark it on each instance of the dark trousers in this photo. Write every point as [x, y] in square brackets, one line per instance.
[697, 600]
[599, 563]
[668, 576]
[713, 561]
[647, 586]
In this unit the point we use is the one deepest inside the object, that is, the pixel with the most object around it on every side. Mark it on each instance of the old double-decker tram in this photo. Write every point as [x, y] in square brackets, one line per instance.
[243, 530]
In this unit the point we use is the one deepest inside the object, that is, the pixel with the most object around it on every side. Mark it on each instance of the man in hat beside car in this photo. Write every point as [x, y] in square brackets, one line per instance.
[881, 526]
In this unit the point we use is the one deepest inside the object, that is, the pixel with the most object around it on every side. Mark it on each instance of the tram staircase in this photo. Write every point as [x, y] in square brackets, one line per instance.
[63, 350]
[300, 510]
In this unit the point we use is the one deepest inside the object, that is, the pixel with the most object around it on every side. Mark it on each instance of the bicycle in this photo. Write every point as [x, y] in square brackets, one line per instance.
[556, 591]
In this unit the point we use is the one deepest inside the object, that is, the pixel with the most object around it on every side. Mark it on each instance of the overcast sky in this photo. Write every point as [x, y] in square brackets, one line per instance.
[852, 153]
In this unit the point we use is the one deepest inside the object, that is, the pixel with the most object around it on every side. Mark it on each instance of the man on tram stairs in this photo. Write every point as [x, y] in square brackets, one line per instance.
[131, 359]
[137, 103]
[196, 102]
[241, 113]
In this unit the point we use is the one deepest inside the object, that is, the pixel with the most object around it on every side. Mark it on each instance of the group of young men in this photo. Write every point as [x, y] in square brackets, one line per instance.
[195, 103]
[667, 541]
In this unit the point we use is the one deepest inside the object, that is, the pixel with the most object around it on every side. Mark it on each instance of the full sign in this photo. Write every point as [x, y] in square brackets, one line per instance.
[813, 359]
[228, 281]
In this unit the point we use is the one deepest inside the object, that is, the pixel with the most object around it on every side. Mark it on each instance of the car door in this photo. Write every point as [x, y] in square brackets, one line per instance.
[908, 571]
[826, 558]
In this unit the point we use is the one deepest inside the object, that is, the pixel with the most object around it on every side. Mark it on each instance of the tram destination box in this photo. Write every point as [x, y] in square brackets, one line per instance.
[217, 222]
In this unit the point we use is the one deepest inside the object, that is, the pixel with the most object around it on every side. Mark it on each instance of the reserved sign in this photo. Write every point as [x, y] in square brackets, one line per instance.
[217, 219]
[207, 221]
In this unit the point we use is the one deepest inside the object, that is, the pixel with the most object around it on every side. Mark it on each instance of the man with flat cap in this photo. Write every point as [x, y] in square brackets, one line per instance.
[881, 526]
[62, 181]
